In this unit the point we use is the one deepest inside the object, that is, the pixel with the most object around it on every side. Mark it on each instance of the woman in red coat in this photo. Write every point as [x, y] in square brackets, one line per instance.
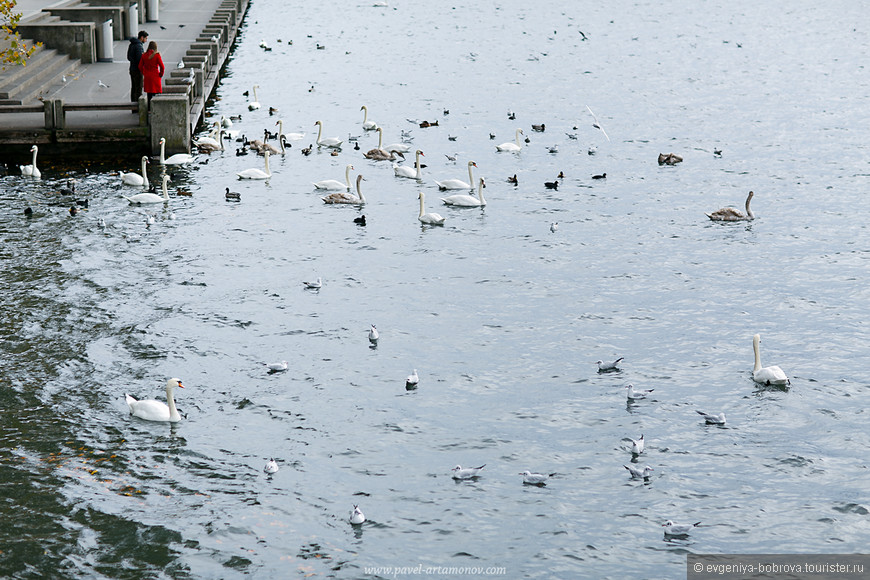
[151, 65]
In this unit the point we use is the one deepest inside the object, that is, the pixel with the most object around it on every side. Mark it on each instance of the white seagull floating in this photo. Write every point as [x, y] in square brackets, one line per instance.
[271, 466]
[468, 473]
[632, 394]
[412, 380]
[637, 445]
[373, 335]
[530, 478]
[356, 516]
[713, 419]
[277, 366]
[316, 285]
[637, 472]
[152, 410]
[672, 529]
[609, 366]
[766, 375]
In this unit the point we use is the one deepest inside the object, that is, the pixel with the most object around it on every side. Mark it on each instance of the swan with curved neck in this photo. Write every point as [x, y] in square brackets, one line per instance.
[210, 140]
[347, 197]
[729, 214]
[367, 125]
[402, 171]
[334, 184]
[333, 142]
[207, 146]
[274, 150]
[31, 170]
[378, 153]
[766, 375]
[136, 179]
[465, 200]
[177, 159]
[510, 145]
[255, 173]
[430, 218]
[148, 197]
[153, 410]
[458, 183]
[255, 104]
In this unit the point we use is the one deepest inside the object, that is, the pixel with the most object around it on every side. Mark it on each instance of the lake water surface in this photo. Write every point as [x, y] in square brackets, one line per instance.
[502, 318]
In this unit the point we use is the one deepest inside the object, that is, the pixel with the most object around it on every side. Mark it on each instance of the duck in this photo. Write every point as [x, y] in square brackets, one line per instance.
[730, 214]
[458, 183]
[233, 195]
[766, 375]
[513, 179]
[465, 200]
[344, 197]
[402, 171]
[31, 170]
[153, 410]
[431, 218]
[601, 176]
[331, 142]
[255, 173]
[149, 197]
[177, 159]
[136, 179]
[367, 125]
[539, 128]
[551, 184]
[511, 145]
[669, 159]
[307, 150]
[255, 104]
[334, 184]
[360, 220]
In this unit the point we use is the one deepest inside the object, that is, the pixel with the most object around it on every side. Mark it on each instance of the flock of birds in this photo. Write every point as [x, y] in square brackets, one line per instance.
[153, 410]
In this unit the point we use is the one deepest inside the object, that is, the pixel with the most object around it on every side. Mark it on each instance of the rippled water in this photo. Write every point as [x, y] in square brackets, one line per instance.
[502, 318]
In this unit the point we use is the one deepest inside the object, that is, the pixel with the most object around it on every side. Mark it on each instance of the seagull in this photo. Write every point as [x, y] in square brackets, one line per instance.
[181, 64]
[637, 472]
[468, 473]
[604, 367]
[102, 85]
[596, 124]
[637, 446]
[314, 285]
[271, 467]
[356, 516]
[277, 367]
[450, 157]
[592, 150]
[530, 478]
[149, 220]
[554, 226]
[713, 419]
[553, 149]
[672, 529]
[373, 335]
[412, 380]
[632, 394]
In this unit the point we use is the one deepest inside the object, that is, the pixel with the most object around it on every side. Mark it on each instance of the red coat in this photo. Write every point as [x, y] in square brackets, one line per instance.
[152, 69]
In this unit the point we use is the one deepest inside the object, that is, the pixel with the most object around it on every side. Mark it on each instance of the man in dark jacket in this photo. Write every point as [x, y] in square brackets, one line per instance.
[134, 53]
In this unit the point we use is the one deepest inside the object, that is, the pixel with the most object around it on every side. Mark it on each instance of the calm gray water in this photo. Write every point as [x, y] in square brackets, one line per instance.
[503, 319]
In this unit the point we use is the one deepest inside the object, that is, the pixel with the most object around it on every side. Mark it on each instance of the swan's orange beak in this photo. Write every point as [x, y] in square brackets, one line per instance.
[180, 385]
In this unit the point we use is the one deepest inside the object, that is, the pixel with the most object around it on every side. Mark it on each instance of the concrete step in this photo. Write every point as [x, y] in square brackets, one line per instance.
[44, 70]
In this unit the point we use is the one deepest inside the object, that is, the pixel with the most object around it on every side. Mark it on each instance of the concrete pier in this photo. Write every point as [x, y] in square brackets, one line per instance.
[89, 102]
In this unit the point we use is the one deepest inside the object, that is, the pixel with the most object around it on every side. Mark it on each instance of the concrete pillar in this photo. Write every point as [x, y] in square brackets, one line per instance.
[143, 111]
[168, 119]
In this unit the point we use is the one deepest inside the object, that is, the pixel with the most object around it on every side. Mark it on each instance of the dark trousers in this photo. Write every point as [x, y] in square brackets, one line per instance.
[135, 86]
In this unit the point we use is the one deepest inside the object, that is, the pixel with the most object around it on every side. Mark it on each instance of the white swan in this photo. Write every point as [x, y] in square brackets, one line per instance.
[148, 197]
[347, 197]
[333, 142]
[465, 200]
[458, 183]
[177, 159]
[511, 146]
[433, 219]
[333, 184]
[255, 173]
[288, 136]
[31, 170]
[766, 375]
[403, 171]
[134, 178]
[729, 214]
[152, 410]
[255, 104]
[367, 125]
[207, 146]
[210, 140]
[401, 147]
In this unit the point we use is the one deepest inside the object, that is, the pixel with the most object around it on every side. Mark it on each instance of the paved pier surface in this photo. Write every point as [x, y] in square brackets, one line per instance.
[180, 23]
